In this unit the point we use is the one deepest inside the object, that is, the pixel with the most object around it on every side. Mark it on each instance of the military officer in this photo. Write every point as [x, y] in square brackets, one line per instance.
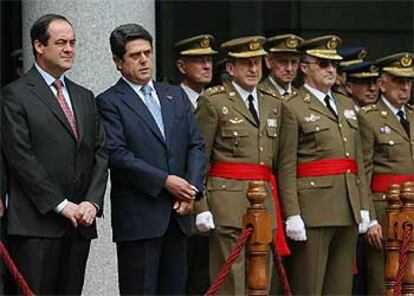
[321, 178]
[283, 63]
[241, 127]
[195, 64]
[387, 132]
[361, 83]
[350, 56]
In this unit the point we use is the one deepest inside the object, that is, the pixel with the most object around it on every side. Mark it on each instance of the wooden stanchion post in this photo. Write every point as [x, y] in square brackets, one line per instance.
[258, 246]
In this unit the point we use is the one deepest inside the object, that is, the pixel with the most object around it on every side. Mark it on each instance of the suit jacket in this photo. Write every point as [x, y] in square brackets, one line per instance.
[267, 86]
[45, 162]
[141, 160]
[232, 135]
[386, 146]
[311, 132]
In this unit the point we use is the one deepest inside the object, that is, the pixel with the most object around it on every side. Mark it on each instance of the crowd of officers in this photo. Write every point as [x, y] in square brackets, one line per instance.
[335, 143]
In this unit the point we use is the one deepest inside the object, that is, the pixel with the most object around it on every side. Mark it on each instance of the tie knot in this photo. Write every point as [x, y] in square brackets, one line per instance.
[250, 98]
[146, 90]
[327, 99]
[401, 114]
[57, 84]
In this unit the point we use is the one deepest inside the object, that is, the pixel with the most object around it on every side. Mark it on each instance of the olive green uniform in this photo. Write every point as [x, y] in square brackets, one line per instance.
[329, 205]
[387, 150]
[232, 135]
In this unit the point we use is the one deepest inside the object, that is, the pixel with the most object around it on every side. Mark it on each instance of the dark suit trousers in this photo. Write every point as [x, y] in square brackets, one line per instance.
[51, 266]
[154, 266]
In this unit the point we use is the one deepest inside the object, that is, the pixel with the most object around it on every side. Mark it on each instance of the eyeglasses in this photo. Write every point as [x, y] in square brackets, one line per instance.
[323, 63]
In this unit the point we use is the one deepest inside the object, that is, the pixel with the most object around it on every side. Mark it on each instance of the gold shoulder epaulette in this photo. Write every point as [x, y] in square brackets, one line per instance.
[214, 90]
[369, 108]
[269, 92]
[290, 96]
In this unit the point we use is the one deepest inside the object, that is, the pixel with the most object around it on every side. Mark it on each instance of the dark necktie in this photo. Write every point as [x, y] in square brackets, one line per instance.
[404, 122]
[65, 107]
[253, 109]
[329, 106]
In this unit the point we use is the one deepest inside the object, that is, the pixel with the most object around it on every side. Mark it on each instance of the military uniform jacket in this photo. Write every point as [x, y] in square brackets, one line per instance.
[232, 135]
[387, 148]
[268, 87]
[310, 132]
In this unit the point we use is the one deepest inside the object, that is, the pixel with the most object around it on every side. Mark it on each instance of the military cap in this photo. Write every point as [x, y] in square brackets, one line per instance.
[361, 70]
[284, 43]
[399, 64]
[351, 55]
[323, 47]
[195, 46]
[245, 47]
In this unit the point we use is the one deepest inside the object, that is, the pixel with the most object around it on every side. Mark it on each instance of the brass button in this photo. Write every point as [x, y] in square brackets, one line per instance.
[345, 139]
[223, 186]
[347, 154]
[261, 149]
[348, 171]
[384, 196]
[317, 129]
[235, 133]
[262, 163]
[261, 135]
[312, 183]
[358, 181]
[340, 125]
[274, 135]
[391, 142]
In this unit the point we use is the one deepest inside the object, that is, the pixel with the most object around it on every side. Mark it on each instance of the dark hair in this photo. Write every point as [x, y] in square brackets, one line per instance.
[39, 30]
[122, 34]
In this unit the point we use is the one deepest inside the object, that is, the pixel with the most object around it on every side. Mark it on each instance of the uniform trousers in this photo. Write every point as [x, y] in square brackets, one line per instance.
[51, 266]
[322, 265]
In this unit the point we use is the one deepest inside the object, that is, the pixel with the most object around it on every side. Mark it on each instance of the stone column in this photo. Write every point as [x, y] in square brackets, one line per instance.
[93, 21]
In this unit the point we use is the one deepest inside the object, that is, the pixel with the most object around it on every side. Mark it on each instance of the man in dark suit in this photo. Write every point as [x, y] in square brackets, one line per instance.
[157, 163]
[55, 148]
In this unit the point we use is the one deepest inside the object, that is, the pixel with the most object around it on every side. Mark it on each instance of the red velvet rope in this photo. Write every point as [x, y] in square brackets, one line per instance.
[284, 282]
[234, 254]
[405, 247]
[14, 271]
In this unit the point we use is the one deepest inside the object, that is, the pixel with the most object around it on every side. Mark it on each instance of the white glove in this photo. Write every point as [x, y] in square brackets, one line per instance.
[204, 221]
[363, 226]
[295, 228]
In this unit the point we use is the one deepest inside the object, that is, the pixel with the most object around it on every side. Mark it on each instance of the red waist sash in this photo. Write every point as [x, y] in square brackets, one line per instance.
[326, 167]
[253, 171]
[380, 182]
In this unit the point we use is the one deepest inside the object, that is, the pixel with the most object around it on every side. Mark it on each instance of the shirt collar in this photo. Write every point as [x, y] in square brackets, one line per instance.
[49, 78]
[244, 93]
[391, 107]
[137, 87]
[191, 93]
[279, 88]
[317, 93]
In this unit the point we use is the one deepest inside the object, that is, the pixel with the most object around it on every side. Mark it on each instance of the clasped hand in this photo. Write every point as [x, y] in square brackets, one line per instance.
[83, 213]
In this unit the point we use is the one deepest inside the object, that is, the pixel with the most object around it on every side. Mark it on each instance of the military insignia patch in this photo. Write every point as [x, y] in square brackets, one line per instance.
[312, 118]
[236, 120]
[271, 122]
[350, 114]
[384, 130]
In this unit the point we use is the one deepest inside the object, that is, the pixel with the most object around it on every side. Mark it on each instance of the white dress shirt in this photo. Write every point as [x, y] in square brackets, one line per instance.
[321, 96]
[279, 88]
[245, 94]
[192, 94]
[137, 89]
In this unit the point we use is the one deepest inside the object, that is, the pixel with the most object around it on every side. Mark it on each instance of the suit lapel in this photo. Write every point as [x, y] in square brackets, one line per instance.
[392, 120]
[239, 105]
[135, 103]
[42, 91]
[167, 110]
[317, 106]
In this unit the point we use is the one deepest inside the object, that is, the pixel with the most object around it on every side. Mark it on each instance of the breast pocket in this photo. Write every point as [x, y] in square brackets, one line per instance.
[389, 147]
[319, 133]
[234, 140]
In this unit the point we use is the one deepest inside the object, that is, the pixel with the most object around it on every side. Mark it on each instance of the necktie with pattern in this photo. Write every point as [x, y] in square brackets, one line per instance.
[153, 107]
[65, 107]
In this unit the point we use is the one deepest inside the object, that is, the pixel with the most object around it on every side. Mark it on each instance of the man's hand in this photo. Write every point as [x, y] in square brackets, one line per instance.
[374, 235]
[204, 221]
[70, 212]
[1, 207]
[86, 213]
[295, 228]
[183, 208]
[180, 188]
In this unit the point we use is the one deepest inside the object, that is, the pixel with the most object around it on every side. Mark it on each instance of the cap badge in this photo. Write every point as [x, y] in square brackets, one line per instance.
[362, 54]
[205, 42]
[406, 61]
[292, 42]
[332, 43]
[373, 68]
[254, 45]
